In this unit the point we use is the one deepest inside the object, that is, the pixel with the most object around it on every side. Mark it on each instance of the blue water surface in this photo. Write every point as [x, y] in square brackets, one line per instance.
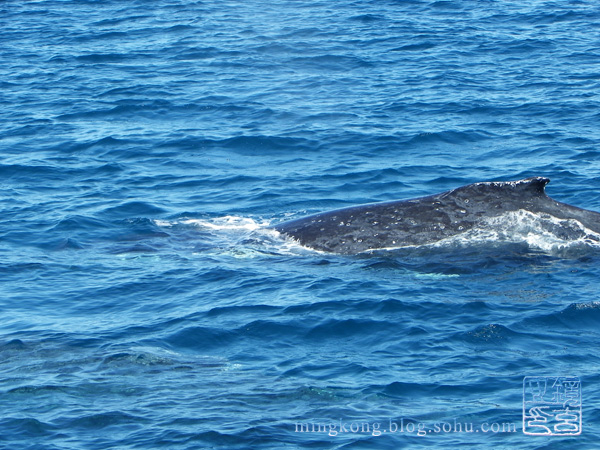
[146, 146]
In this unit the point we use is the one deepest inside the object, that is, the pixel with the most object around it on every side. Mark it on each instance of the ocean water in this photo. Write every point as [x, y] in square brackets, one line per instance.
[146, 146]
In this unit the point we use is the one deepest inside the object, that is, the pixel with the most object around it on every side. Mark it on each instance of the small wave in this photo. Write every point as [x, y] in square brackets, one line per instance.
[133, 208]
[581, 316]
[490, 333]
[451, 137]
[156, 356]
[330, 62]
[415, 47]
[96, 58]
[585, 306]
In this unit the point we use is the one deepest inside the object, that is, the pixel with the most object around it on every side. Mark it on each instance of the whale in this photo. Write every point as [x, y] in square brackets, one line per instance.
[426, 220]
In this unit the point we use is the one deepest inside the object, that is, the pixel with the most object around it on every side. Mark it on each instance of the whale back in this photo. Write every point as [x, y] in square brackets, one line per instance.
[424, 220]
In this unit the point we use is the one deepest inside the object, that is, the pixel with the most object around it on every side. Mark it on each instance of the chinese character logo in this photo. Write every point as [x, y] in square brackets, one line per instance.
[552, 406]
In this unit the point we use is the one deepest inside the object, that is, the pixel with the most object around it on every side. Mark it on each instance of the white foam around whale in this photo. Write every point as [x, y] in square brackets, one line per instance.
[538, 230]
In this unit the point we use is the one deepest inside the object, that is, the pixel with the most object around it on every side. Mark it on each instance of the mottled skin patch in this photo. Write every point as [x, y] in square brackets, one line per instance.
[427, 219]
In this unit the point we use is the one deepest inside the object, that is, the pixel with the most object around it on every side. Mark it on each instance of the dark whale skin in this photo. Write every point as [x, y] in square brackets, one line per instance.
[428, 219]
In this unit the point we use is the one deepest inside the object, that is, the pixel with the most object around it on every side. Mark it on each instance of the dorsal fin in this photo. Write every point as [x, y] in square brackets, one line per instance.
[533, 185]
[524, 189]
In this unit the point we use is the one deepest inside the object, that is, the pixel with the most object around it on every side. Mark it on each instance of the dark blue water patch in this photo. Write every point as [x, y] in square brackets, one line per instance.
[245, 145]
[327, 371]
[585, 151]
[204, 339]
[120, 20]
[326, 308]
[445, 5]
[141, 91]
[409, 391]
[492, 335]
[555, 17]
[131, 108]
[78, 232]
[18, 269]
[96, 147]
[26, 428]
[368, 18]
[231, 312]
[109, 35]
[194, 440]
[271, 329]
[450, 137]
[179, 53]
[61, 244]
[28, 173]
[133, 209]
[14, 345]
[347, 330]
[459, 260]
[131, 363]
[114, 420]
[78, 223]
[99, 58]
[333, 63]
[579, 317]
[415, 47]
[33, 128]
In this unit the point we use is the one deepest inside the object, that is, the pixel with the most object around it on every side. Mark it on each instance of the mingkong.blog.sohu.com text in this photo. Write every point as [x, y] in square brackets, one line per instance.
[402, 426]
